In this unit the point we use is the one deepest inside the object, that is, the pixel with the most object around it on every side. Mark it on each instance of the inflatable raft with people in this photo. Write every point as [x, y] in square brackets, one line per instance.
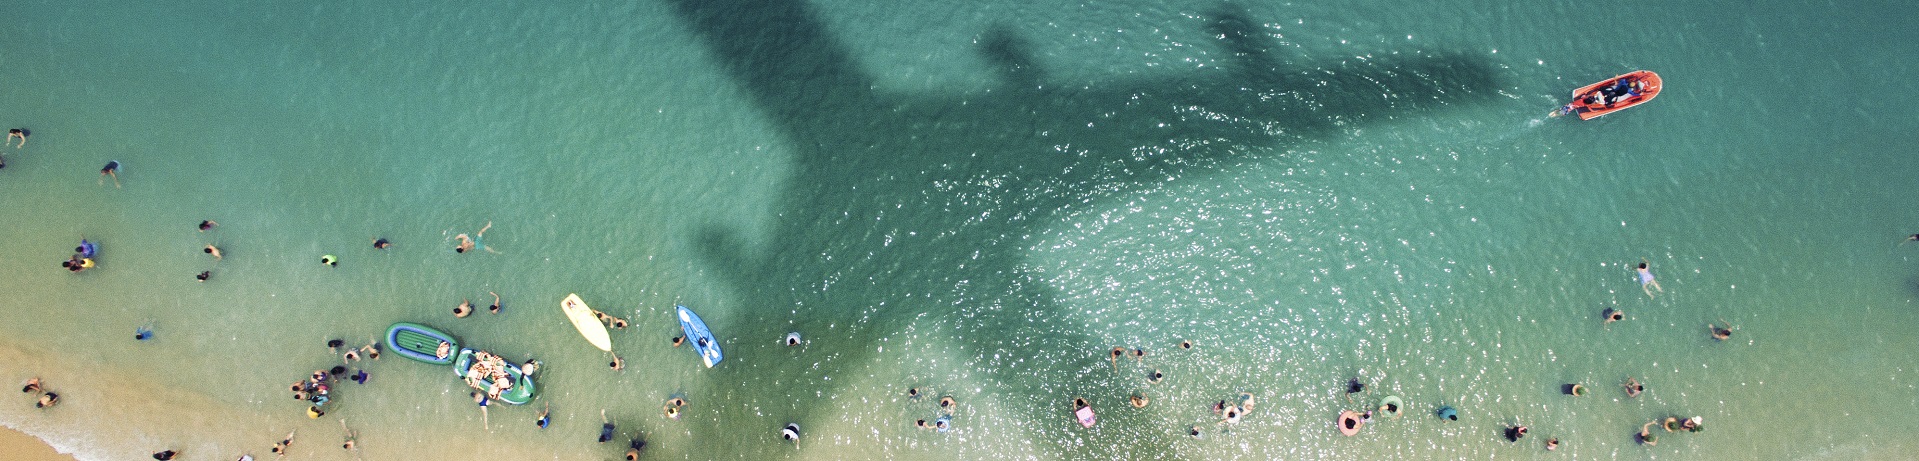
[501, 380]
[422, 343]
[1612, 95]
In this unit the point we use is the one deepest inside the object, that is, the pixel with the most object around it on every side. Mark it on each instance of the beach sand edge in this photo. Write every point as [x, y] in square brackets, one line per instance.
[19, 446]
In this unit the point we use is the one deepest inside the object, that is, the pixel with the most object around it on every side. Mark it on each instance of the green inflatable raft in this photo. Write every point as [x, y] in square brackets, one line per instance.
[497, 377]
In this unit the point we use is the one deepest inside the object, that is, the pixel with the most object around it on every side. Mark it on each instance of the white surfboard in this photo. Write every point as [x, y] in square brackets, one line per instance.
[583, 320]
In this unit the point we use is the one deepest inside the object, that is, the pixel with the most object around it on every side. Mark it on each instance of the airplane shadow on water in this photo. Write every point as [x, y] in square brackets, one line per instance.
[907, 208]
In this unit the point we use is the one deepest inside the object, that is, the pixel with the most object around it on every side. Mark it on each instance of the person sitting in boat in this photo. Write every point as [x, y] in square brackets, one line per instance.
[444, 349]
[1621, 90]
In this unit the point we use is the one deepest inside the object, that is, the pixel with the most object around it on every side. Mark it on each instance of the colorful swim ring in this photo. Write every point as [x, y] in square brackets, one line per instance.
[1392, 405]
[1349, 423]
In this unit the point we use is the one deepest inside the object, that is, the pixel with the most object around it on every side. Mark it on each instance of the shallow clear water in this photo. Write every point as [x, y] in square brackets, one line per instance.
[976, 200]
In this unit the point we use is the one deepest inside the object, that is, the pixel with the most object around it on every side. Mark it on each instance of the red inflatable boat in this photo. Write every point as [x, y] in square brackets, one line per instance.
[1612, 95]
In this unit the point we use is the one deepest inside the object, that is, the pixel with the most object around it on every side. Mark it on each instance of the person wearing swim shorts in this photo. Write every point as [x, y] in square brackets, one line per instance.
[1646, 283]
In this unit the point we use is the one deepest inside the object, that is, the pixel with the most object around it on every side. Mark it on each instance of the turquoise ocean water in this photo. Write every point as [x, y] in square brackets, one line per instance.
[972, 199]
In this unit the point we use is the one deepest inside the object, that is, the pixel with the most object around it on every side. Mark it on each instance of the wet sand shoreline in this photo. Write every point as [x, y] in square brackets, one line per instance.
[18, 446]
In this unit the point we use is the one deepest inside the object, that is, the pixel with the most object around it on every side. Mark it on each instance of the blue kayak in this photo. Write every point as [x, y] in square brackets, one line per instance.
[422, 343]
[701, 338]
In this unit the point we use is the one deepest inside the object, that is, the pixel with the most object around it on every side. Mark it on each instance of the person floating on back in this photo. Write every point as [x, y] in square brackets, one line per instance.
[469, 243]
[1646, 282]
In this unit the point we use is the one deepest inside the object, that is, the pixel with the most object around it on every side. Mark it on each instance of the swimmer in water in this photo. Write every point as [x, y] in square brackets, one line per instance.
[1612, 315]
[495, 308]
[1514, 433]
[469, 243]
[606, 428]
[792, 339]
[381, 243]
[543, 419]
[1552, 444]
[212, 250]
[634, 447]
[1633, 388]
[333, 345]
[618, 323]
[1646, 282]
[1138, 400]
[1188, 344]
[329, 260]
[947, 404]
[1354, 387]
[350, 444]
[1720, 334]
[1193, 431]
[1114, 357]
[913, 393]
[464, 309]
[672, 412]
[791, 432]
[281, 447]
[206, 225]
[47, 400]
[1154, 377]
[20, 133]
[1646, 436]
[678, 340]
[112, 169]
[33, 386]
[372, 350]
[203, 276]
[1139, 355]
[617, 364]
[1232, 413]
[1246, 401]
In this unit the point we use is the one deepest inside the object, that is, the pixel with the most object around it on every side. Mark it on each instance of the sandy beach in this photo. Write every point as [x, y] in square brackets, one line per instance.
[18, 446]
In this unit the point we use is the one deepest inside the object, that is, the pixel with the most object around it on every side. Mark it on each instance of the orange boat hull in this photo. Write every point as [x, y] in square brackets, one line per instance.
[1650, 86]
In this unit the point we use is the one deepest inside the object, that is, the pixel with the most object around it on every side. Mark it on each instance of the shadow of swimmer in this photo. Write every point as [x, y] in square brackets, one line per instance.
[905, 209]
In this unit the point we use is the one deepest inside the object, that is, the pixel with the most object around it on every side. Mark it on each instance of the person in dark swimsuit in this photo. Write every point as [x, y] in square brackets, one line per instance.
[112, 169]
